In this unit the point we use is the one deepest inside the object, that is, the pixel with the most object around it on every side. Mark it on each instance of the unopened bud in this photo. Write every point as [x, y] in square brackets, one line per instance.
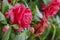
[5, 28]
[6, 14]
[32, 30]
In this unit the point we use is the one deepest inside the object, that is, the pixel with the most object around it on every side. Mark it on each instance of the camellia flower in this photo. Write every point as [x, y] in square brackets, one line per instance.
[55, 2]
[20, 15]
[40, 27]
[51, 9]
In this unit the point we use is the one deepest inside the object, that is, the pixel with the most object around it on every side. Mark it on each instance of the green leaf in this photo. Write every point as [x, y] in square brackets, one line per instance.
[54, 32]
[7, 34]
[22, 36]
[5, 6]
[15, 26]
[31, 37]
[38, 14]
[25, 2]
[13, 1]
[57, 34]
[12, 36]
[46, 2]
[2, 19]
[45, 34]
[32, 5]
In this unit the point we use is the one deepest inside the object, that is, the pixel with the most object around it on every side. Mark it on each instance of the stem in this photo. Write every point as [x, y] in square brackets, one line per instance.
[53, 32]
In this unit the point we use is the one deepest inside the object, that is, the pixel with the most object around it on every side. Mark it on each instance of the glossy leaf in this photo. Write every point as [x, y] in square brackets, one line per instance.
[5, 6]
[46, 2]
[22, 36]
[2, 19]
[45, 34]
[7, 34]
[38, 14]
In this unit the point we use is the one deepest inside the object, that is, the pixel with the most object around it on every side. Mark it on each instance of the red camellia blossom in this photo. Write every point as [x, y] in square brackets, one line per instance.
[40, 27]
[55, 1]
[20, 15]
[51, 9]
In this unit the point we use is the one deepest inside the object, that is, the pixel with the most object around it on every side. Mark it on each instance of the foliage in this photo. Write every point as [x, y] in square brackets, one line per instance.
[50, 33]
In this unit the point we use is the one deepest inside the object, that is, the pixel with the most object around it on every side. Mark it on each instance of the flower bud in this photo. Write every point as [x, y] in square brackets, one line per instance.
[5, 28]
[6, 14]
[32, 30]
[43, 6]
